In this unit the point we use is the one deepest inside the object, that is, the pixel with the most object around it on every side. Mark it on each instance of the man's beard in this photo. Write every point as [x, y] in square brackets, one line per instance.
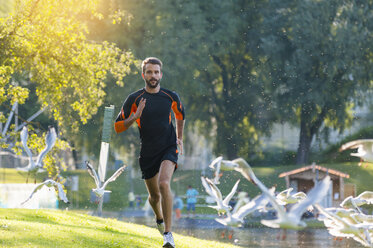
[150, 85]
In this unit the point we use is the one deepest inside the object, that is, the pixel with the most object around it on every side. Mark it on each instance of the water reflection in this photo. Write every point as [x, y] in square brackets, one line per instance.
[253, 237]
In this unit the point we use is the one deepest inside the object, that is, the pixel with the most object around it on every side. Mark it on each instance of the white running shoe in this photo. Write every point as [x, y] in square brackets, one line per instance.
[168, 240]
[160, 228]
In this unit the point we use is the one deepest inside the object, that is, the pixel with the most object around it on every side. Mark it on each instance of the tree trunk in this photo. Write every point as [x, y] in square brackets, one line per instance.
[225, 142]
[305, 139]
[308, 129]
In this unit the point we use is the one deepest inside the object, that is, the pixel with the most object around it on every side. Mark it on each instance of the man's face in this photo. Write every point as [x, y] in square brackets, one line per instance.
[152, 75]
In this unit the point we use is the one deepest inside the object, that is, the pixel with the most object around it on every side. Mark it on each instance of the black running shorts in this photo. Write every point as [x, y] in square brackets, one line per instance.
[150, 165]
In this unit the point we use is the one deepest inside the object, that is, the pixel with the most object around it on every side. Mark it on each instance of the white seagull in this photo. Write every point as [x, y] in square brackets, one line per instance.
[285, 197]
[238, 164]
[219, 164]
[364, 149]
[363, 218]
[215, 165]
[355, 202]
[34, 167]
[222, 205]
[291, 219]
[339, 227]
[49, 183]
[236, 219]
[100, 190]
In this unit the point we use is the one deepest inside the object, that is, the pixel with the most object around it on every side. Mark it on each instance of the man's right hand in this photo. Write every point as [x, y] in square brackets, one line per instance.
[140, 108]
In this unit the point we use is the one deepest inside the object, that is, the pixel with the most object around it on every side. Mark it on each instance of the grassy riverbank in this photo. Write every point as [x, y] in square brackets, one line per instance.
[65, 229]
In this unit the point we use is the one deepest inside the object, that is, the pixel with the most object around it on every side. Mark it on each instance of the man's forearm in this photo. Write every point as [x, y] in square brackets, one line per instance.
[179, 128]
[129, 121]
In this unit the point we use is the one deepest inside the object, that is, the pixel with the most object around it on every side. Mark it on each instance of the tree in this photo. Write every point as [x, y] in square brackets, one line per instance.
[45, 43]
[319, 58]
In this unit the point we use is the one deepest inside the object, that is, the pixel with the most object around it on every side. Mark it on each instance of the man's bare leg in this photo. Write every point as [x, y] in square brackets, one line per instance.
[152, 186]
[165, 174]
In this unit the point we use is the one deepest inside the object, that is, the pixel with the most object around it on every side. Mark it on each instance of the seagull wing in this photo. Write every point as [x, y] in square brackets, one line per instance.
[93, 173]
[347, 202]
[61, 193]
[243, 168]
[50, 140]
[24, 138]
[317, 193]
[216, 161]
[227, 165]
[114, 176]
[355, 144]
[300, 195]
[38, 187]
[217, 173]
[284, 194]
[207, 187]
[230, 195]
[280, 209]
[335, 218]
[256, 203]
[367, 196]
[215, 191]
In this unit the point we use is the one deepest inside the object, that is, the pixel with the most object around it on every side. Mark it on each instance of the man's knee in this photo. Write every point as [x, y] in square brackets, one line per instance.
[154, 198]
[164, 185]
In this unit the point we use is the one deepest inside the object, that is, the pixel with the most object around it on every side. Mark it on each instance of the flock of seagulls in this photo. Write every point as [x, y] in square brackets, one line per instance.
[36, 166]
[346, 221]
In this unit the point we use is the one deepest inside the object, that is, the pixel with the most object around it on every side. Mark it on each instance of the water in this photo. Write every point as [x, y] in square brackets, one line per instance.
[209, 229]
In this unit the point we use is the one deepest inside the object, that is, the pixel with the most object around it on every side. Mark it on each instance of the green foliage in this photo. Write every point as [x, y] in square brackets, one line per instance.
[276, 157]
[45, 46]
[318, 56]
[48, 40]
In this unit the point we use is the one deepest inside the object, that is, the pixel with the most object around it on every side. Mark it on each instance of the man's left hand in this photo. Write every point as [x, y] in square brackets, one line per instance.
[180, 144]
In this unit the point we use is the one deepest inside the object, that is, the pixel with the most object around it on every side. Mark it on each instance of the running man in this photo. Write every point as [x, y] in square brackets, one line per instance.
[150, 107]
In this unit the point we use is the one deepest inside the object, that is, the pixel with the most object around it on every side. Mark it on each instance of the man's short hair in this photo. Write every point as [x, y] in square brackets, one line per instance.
[151, 60]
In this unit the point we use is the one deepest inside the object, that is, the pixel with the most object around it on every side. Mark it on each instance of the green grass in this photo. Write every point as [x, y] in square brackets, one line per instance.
[57, 228]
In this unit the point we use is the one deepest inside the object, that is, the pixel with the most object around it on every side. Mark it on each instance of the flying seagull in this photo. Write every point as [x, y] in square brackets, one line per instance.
[219, 164]
[49, 183]
[355, 202]
[285, 197]
[100, 190]
[222, 205]
[338, 226]
[238, 164]
[236, 219]
[34, 167]
[364, 149]
[291, 219]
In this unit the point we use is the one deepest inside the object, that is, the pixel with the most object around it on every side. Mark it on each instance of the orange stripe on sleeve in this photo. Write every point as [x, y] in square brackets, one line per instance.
[119, 127]
[178, 114]
[133, 110]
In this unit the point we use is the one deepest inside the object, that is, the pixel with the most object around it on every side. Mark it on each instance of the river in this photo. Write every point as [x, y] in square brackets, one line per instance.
[252, 237]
